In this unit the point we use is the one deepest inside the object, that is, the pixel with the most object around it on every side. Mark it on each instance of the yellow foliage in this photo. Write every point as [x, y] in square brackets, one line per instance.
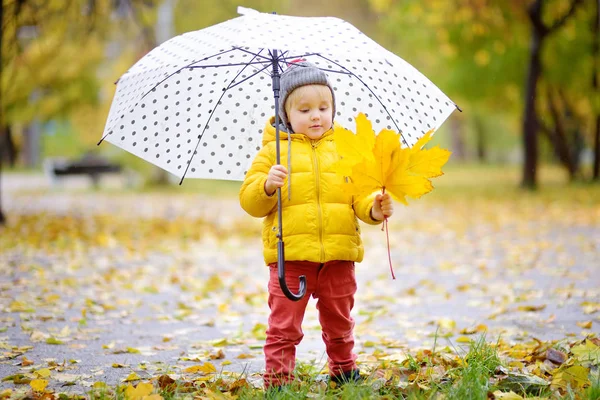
[132, 377]
[585, 324]
[206, 368]
[499, 47]
[381, 6]
[352, 146]
[575, 377]
[39, 385]
[43, 373]
[587, 353]
[380, 163]
[141, 392]
[507, 395]
[482, 58]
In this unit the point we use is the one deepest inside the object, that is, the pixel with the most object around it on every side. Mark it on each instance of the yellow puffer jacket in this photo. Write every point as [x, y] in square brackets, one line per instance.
[319, 221]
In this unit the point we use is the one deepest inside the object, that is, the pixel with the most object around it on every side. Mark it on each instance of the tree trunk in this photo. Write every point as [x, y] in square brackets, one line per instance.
[530, 122]
[539, 33]
[595, 72]
[558, 138]
[481, 140]
[10, 149]
[458, 143]
[7, 145]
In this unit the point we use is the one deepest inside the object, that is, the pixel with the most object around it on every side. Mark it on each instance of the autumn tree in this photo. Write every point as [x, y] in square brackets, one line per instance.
[541, 31]
[49, 51]
[472, 50]
[491, 55]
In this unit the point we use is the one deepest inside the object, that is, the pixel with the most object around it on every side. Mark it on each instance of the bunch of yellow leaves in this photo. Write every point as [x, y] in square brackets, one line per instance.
[380, 163]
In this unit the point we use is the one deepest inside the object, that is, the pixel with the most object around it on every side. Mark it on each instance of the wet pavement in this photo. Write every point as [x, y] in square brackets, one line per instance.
[513, 269]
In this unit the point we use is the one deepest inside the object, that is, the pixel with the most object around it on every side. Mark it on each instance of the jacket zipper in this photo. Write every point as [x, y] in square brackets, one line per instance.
[318, 186]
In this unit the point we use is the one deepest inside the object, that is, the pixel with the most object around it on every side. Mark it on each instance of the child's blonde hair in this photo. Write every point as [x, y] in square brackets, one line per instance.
[322, 91]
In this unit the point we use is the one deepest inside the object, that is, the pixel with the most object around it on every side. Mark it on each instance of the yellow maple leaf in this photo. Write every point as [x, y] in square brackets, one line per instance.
[141, 391]
[354, 147]
[39, 385]
[427, 163]
[206, 368]
[380, 163]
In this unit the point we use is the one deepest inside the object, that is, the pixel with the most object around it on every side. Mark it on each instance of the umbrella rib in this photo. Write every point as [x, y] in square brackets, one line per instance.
[268, 59]
[285, 58]
[373, 93]
[245, 79]
[255, 54]
[210, 117]
[187, 66]
[315, 54]
[282, 57]
[225, 65]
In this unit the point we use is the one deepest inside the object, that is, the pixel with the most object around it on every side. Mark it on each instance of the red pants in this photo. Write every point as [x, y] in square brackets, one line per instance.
[334, 285]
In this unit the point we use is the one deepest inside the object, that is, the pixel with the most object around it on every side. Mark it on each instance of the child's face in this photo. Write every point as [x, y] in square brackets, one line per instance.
[310, 110]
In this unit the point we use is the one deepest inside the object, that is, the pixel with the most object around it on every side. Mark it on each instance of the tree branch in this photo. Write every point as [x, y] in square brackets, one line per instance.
[535, 15]
[565, 17]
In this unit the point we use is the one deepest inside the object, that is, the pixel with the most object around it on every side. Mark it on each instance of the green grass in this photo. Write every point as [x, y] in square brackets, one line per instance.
[473, 376]
[593, 392]
[473, 379]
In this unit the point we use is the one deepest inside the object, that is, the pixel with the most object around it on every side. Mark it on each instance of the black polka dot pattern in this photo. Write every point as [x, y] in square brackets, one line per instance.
[197, 104]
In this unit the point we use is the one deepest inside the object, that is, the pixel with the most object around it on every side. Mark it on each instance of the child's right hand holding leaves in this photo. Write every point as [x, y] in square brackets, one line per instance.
[275, 178]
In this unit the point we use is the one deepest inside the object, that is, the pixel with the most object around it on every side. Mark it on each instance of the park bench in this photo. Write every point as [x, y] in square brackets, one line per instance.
[91, 165]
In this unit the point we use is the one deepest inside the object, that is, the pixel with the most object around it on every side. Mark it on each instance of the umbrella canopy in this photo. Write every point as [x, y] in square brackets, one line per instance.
[196, 105]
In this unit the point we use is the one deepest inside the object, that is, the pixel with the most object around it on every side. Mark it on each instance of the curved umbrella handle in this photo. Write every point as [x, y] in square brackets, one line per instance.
[280, 254]
[281, 276]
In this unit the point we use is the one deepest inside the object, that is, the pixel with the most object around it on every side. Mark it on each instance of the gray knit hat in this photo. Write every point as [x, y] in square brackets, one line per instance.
[298, 74]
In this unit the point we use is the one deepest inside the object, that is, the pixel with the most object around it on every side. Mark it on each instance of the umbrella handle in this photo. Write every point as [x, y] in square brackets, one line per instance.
[280, 253]
[281, 276]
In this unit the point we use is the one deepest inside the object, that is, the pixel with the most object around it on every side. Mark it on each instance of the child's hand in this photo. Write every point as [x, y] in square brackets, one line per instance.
[383, 207]
[275, 179]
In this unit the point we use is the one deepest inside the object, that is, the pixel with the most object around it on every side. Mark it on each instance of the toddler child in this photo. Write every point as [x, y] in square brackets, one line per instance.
[320, 225]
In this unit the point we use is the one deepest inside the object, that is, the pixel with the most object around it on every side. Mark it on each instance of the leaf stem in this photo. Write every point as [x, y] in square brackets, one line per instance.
[387, 235]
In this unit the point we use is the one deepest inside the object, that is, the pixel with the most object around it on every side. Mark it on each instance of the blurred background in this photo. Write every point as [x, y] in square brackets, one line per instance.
[525, 73]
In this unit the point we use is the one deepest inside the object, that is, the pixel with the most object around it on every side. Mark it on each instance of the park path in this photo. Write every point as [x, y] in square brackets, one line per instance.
[103, 310]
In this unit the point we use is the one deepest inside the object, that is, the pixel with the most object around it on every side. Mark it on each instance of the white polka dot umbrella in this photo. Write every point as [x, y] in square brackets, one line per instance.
[196, 105]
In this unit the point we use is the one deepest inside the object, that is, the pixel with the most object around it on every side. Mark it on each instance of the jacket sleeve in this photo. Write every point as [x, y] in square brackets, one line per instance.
[362, 209]
[253, 198]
